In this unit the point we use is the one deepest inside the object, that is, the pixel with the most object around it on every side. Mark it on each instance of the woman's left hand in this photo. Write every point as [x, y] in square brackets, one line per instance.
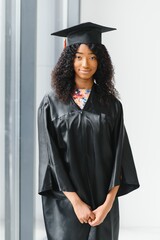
[100, 214]
[102, 211]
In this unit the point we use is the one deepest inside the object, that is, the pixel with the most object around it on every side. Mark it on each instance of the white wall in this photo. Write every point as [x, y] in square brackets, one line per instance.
[135, 52]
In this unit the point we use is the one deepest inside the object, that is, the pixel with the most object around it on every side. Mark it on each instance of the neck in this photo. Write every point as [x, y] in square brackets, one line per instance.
[87, 84]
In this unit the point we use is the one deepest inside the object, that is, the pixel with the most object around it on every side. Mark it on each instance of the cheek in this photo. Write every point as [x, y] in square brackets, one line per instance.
[95, 66]
[75, 65]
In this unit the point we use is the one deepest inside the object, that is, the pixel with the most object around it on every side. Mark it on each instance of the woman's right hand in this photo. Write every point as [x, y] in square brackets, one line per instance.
[81, 209]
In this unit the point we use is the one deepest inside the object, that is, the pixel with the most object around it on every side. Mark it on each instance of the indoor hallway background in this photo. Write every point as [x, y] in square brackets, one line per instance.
[135, 52]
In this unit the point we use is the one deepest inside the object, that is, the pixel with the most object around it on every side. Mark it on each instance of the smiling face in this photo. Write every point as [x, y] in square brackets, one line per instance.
[85, 66]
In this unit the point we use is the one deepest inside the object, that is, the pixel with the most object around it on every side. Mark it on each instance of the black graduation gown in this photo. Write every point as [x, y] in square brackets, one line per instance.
[86, 151]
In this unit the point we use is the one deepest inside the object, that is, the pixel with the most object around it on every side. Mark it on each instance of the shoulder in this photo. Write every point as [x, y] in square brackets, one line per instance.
[48, 99]
[114, 105]
[52, 104]
[117, 105]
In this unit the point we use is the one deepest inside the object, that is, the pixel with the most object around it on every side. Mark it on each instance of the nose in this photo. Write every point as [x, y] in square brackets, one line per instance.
[85, 63]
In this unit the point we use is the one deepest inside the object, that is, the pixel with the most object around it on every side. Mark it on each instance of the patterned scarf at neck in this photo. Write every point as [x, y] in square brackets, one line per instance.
[80, 96]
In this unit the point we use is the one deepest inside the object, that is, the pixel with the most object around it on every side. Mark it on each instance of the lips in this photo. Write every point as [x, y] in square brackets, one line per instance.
[84, 71]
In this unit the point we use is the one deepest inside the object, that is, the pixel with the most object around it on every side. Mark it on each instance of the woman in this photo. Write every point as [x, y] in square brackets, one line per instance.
[85, 156]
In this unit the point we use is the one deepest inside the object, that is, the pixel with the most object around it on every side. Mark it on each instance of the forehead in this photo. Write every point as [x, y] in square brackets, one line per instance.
[83, 48]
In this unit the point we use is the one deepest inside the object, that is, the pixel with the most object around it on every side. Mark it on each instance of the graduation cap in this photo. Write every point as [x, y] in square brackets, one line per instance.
[83, 33]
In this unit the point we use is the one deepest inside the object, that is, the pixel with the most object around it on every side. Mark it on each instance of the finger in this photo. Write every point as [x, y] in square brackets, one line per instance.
[90, 220]
[95, 222]
[89, 207]
[94, 211]
[85, 221]
[91, 223]
[92, 216]
[81, 221]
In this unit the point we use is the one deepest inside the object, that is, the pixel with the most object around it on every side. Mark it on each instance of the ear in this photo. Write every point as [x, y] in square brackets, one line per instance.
[64, 43]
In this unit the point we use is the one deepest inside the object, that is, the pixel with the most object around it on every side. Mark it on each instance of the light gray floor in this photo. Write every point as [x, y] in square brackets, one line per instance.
[139, 234]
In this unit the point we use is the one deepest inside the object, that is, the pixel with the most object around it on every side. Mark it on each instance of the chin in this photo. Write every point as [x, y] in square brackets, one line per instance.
[84, 77]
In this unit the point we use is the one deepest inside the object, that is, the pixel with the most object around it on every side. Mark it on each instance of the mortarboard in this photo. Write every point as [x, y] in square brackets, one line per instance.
[83, 33]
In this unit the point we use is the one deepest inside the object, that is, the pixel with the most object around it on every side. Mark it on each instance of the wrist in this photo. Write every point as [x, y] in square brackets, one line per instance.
[108, 203]
[75, 200]
[73, 197]
[112, 194]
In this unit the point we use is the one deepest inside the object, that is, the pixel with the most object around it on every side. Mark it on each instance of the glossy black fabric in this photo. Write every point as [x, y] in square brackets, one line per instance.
[86, 151]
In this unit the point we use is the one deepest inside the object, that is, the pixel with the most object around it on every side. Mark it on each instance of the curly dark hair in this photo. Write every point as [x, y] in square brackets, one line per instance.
[63, 74]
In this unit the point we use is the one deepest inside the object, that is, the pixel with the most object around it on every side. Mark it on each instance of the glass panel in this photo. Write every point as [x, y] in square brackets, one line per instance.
[11, 68]
[51, 15]
[2, 119]
[44, 60]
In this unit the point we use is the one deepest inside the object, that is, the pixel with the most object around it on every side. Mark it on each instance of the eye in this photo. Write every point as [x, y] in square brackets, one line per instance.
[78, 57]
[93, 58]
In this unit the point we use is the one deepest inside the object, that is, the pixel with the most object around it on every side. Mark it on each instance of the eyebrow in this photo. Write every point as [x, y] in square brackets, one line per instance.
[82, 53]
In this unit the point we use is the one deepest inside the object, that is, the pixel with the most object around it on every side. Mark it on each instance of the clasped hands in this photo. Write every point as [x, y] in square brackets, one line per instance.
[86, 215]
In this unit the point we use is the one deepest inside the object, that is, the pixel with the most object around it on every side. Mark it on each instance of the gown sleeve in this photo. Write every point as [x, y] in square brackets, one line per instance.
[52, 170]
[124, 171]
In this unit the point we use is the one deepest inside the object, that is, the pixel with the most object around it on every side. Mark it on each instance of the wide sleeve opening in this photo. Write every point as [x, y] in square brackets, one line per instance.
[124, 171]
[52, 170]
